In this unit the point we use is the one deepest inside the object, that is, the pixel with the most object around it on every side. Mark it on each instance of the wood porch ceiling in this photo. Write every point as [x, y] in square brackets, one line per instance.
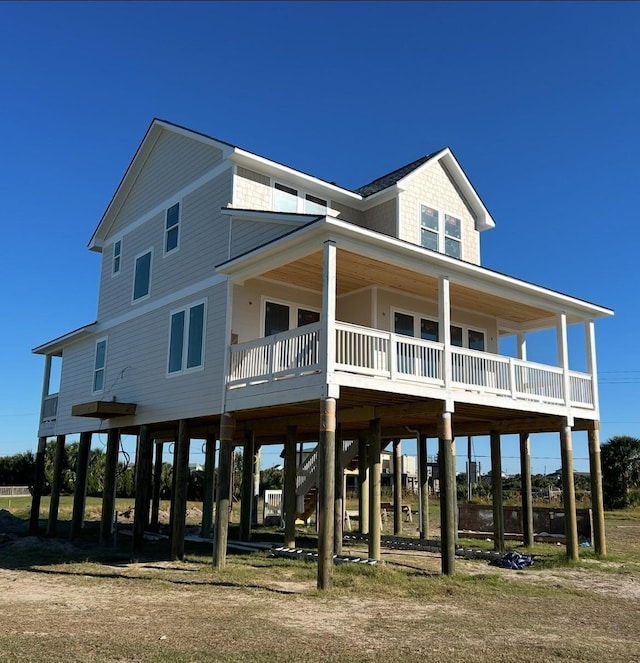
[355, 272]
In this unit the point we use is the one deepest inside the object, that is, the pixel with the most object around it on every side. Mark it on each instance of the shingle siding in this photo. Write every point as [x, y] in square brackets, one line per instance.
[252, 190]
[433, 186]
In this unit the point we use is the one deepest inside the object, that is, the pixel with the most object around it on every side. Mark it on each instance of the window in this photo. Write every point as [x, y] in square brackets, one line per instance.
[314, 205]
[172, 229]
[285, 199]
[433, 236]
[142, 276]
[288, 199]
[282, 317]
[186, 339]
[117, 254]
[99, 364]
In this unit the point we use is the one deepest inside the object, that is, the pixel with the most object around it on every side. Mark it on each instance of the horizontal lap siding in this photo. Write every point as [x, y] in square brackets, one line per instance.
[136, 370]
[247, 235]
[203, 244]
[174, 162]
[433, 186]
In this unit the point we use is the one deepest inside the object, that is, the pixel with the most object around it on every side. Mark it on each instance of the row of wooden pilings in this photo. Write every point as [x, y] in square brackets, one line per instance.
[330, 489]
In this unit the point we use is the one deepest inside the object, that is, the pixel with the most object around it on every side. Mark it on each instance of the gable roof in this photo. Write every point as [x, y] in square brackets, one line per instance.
[242, 156]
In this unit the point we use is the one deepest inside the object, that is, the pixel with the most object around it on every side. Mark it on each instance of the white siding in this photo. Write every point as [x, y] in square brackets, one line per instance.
[203, 244]
[174, 162]
[247, 235]
[355, 308]
[136, 370]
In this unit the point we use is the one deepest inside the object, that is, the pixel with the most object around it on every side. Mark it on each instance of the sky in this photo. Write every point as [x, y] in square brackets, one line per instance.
[539, 101]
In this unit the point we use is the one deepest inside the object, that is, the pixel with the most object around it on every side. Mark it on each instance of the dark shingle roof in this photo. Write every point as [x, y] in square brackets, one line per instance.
[391, 178]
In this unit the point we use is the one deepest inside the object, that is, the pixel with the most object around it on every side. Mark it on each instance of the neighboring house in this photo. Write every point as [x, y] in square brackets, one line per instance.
[234, 284]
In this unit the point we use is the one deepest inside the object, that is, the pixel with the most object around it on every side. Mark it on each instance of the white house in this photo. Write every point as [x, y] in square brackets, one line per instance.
[244, 300]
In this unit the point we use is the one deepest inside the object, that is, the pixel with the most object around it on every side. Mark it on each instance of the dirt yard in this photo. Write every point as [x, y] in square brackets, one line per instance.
[64, 602]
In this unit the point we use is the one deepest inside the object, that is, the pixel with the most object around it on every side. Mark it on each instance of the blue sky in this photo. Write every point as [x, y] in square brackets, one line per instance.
[539, 101]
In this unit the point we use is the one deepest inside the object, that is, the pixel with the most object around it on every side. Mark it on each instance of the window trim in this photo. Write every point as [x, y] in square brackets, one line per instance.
[135, 300]
[293, 312]
[185, 338]
[103, 368]
[118, 257]
[442, 228]
[177, 225]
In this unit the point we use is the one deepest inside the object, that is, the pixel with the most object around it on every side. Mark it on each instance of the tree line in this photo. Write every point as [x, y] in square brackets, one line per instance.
[620, 457]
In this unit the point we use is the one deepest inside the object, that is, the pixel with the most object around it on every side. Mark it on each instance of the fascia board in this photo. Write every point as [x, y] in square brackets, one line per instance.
[382, 196]
[274, 169]
[57, 344]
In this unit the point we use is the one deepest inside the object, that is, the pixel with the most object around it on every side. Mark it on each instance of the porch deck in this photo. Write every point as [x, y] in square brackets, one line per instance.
[386, 361]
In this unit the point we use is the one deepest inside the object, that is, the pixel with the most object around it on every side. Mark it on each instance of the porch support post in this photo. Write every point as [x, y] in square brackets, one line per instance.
[56, 486]
[444, 320]
[255, 467]
[180, 493]
[375, 472]
[38, 485]
[592, 365]
[527, 502]
[143, 477]
[563, 356]
[290, 473]
[109, 487]
[207, 498]
[80, 488]
[363, 484]
[496, 489]
[338, 504]
[595, 471]
[447, 494]
[157, 483]
[247, 485]
[329, 306]
[423, 479]
[223, 491]
[326, 493]
[568, 491]
[397, 487]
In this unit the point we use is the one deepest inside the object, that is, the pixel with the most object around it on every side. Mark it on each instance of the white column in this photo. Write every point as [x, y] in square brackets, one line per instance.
[329, 310]
[563, 355]
[522, 346]
[444, 321]
[592, 366]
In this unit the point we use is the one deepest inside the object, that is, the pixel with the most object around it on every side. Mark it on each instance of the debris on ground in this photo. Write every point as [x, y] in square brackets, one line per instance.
[513, 560]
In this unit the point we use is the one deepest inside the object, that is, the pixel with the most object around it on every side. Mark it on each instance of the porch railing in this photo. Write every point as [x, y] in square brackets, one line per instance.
[381, 354]
[290, 353]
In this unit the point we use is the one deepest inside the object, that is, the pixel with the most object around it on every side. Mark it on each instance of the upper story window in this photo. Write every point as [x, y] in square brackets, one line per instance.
[172, 229]
[117, 256]
[440, 231]
[288, 199]
[142, 276]
[314, 205]
[285, 199]
[99, 365]
[186, 339]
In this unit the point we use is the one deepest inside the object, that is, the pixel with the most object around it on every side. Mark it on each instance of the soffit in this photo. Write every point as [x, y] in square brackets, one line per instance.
[355, 272]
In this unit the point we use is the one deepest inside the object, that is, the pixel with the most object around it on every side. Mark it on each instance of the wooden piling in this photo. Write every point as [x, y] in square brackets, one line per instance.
[80, 487]
[375, 471]
[56, 486]
[597, 505]
[109, 487]
[496, 489]
[289, 499]
[525, 489]
[326, 493]
[180, 493]
[223, 491]
[568, 492]
[143, 479]
[447, 494]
